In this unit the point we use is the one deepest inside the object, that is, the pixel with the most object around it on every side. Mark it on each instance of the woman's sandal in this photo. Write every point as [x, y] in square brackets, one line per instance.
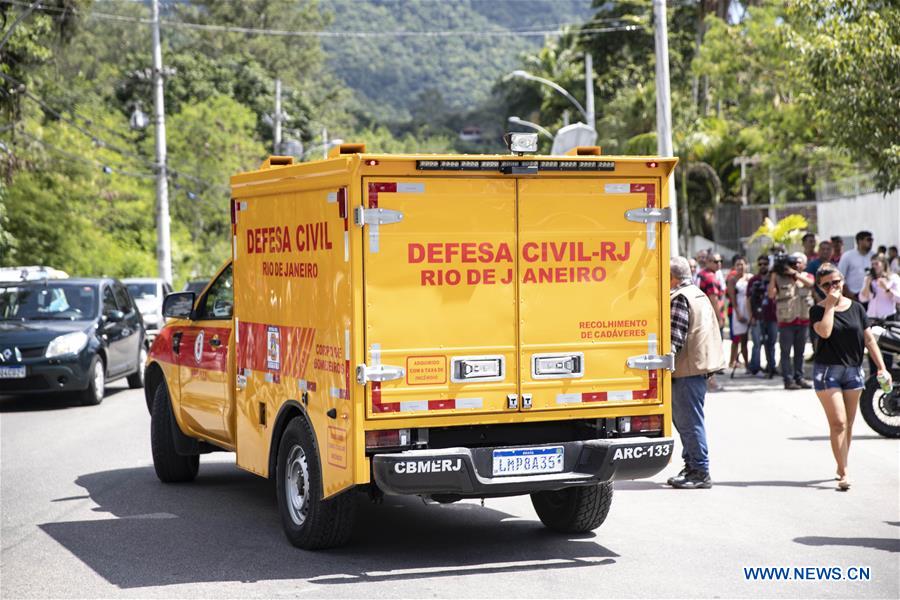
[843, 484]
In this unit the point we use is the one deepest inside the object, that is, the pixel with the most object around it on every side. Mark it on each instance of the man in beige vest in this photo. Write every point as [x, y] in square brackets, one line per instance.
[697, 344]
[791, 289]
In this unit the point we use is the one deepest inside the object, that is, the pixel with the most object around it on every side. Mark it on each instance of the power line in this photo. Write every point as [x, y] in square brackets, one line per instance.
[103, 143]
[77, 157]
[109, 170]
[558, 30]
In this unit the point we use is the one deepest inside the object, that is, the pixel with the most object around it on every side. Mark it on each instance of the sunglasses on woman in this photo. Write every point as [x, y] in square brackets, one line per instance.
[827, 285]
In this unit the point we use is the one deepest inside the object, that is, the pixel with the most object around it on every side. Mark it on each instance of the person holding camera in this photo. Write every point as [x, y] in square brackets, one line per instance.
[881, 289]
[791, 289]
[842, 331]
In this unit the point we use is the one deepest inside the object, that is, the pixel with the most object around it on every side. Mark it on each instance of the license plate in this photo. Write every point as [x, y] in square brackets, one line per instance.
[12, 372]
[528, 461]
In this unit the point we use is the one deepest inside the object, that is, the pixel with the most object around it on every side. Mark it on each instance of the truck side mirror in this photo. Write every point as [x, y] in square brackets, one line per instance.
[179, 305]
[113, 316]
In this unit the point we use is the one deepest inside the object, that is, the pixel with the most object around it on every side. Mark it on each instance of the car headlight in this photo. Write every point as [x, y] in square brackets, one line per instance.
[70, 343]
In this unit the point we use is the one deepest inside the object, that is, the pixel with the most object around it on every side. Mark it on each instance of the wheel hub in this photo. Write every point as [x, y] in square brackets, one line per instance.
[296, 485]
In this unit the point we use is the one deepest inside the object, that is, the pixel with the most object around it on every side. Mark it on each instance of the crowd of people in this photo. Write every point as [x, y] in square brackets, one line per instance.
[823, 295]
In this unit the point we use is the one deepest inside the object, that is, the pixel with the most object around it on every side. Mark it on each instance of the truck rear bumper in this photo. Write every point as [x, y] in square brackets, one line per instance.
[469, 471]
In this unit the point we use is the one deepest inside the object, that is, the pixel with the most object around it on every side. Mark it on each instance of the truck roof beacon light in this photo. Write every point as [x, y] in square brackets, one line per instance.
[521, 143]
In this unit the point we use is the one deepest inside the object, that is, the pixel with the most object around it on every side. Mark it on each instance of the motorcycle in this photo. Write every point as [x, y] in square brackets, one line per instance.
[880, 409]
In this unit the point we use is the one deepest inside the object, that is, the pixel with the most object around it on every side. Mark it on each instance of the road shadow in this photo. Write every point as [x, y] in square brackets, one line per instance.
[634, 485]
[225, 527]
[886, 544]
[821, 484]
[49, 401]
[825, 438]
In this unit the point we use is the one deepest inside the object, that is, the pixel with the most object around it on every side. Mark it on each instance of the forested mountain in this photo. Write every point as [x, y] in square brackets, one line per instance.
[389, 72]
[808, 87]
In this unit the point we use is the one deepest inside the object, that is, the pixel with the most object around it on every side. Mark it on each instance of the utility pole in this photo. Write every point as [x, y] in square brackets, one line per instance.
[277, 117]
[664, 110]
[589, 90]
[743, 161]
[163, 242]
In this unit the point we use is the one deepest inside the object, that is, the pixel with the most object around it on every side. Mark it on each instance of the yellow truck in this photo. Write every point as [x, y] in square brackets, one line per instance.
[439, 325]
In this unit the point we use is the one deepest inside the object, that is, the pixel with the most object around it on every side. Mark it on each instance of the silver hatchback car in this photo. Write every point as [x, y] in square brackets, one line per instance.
[148, 294]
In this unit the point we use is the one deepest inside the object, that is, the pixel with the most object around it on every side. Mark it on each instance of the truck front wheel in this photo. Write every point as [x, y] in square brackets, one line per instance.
[170, 466]
[309, 522]
[574, 509]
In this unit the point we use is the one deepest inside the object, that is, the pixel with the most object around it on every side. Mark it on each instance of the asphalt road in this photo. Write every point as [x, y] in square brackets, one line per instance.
[83, 515]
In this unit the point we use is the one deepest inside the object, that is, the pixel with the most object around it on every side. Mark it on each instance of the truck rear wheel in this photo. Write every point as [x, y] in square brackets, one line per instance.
[574, 509]
[309, 522]
[170, 466]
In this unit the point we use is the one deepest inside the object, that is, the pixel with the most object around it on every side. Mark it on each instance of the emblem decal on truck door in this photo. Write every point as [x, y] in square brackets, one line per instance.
[198, 347]
[273, 348]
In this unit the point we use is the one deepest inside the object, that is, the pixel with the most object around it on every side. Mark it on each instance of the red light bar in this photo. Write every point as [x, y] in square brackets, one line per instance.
[652, 164]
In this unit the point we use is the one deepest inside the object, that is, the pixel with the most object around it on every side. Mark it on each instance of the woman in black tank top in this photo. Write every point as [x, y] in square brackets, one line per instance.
[841, 329]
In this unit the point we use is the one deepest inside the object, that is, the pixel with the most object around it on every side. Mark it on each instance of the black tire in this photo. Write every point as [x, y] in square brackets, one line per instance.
[170, 466]
[876, 406]
[136, 379]
[93, 395]
[311, 523]
[574, 509]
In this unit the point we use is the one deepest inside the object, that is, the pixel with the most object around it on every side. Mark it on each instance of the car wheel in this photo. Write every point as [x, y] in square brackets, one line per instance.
[136, 379]
[170, 466]
[574, 509]
[309, 522]
[93, 395]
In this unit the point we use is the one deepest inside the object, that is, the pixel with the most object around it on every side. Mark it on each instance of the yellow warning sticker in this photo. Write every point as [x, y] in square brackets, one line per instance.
[426, 370]
[337, 447]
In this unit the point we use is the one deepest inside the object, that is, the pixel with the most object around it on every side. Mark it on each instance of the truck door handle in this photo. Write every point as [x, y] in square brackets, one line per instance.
[215, 342]
[176, 342]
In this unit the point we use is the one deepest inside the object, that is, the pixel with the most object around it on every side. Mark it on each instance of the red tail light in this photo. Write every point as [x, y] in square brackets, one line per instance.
[387, 438]
[646, 423]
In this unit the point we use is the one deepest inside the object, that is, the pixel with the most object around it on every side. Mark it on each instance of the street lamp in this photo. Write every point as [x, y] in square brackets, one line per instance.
[139, 119]
[535, 126]
[589, 89]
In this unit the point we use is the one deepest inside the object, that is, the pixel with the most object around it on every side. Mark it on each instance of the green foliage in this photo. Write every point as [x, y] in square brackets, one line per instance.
[380, 139]
[847, 59]
[788, 231]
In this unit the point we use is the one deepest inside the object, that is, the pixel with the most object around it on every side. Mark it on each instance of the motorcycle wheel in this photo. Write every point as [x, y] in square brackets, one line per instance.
[881, 410]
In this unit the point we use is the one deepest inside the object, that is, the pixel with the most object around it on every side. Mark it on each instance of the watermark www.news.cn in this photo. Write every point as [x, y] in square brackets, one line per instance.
[807, 574]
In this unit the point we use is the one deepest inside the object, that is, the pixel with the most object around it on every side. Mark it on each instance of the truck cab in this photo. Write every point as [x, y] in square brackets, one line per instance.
[444, 326]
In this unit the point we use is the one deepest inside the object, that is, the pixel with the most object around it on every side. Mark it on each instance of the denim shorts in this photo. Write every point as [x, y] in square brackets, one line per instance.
[829, 377]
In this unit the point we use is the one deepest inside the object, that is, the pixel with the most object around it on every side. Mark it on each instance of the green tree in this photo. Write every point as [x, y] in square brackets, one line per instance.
[846, 55]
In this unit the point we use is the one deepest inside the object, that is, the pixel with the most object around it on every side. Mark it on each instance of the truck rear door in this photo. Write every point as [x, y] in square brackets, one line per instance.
[440, 287]
[590, 294]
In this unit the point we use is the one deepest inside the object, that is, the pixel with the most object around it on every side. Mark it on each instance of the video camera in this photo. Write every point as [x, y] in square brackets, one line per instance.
[783, 261]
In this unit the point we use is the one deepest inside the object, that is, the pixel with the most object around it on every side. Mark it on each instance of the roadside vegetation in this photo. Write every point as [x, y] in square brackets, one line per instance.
[809, 87]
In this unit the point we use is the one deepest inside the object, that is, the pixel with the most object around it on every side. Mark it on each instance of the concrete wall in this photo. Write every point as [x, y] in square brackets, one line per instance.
[874, 212]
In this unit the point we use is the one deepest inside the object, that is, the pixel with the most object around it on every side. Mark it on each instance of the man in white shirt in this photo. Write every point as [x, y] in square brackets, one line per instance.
[854, 264]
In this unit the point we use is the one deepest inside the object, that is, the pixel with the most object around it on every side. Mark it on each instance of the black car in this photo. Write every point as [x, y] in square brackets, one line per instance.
[69, 335]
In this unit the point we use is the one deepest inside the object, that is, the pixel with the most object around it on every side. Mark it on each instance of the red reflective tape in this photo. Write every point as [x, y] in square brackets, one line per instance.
[593, 397]
[347, 377]
[161, 349]
[294, 351]
[342, 207]
[211, 358]
[377, 188]
[441, 404]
